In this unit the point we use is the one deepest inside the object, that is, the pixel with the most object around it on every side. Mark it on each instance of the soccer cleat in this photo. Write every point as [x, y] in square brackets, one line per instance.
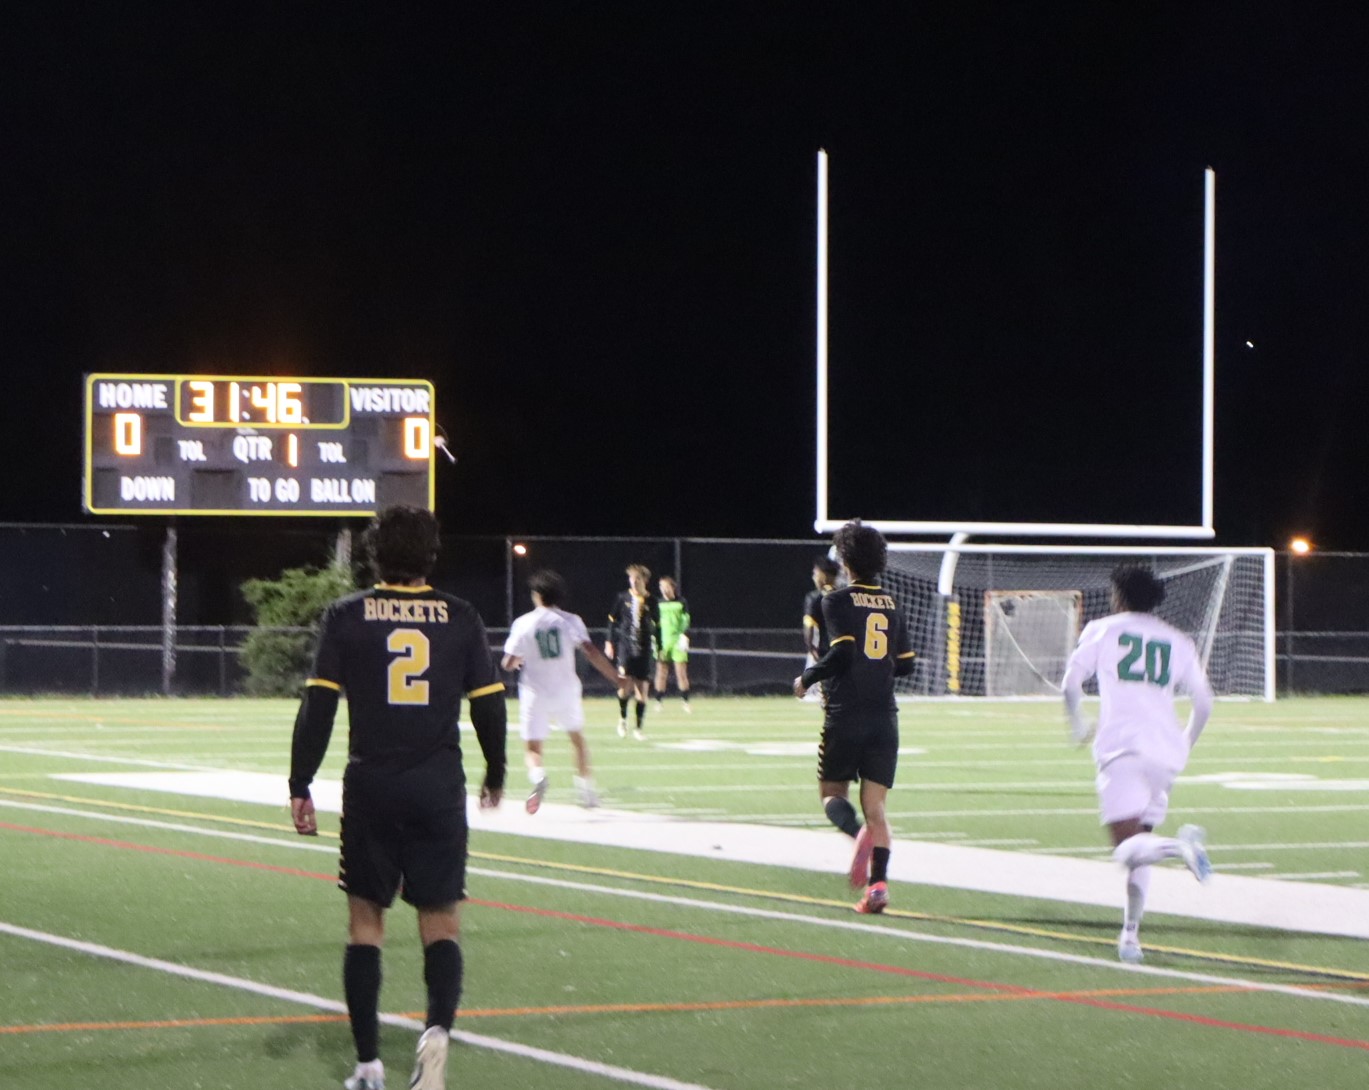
[1194, 851]
[875, 901]
[367, 1076]
[860, 861]
[639, 734]
[430, 1064]
[535, 796]
[622, 728]
[660, 705]
[588, 799]
[1129, 949]
[687, 709]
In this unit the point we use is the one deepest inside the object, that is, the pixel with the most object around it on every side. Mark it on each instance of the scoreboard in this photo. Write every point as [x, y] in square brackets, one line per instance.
[242, 445]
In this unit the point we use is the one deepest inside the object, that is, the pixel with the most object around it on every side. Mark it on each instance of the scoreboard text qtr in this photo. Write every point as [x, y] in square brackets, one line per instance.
[240, 445]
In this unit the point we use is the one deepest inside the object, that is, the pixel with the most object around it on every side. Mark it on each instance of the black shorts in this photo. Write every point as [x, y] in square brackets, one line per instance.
[636, 667]
[404, 832]
[859, 745]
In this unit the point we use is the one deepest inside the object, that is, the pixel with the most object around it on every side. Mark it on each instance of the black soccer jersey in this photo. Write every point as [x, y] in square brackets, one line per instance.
[633, 626]
[813, 622]
[404, 656]
[871, 622]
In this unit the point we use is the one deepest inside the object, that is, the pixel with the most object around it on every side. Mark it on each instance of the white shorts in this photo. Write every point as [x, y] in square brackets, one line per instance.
[538, 713]
[1133, 787]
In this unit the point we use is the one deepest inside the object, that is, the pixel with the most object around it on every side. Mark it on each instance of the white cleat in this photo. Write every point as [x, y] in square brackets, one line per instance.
[1129, 950]
[639, 734]
[367, 1076]
[430, 1064]
[687, 709]
[1193, 849]
[588, 799]
[622, 728]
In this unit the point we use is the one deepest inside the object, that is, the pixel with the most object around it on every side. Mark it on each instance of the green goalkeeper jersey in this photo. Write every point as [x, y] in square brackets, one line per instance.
[674, 621]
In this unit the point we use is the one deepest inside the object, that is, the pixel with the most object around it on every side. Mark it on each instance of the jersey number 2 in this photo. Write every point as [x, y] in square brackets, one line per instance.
[411, 647]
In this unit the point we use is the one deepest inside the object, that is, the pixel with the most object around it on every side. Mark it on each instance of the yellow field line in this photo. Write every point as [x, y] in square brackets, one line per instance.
[742, 891]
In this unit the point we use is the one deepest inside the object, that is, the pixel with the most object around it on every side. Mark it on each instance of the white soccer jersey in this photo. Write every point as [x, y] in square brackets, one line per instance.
[1140, 662]
[546, 640]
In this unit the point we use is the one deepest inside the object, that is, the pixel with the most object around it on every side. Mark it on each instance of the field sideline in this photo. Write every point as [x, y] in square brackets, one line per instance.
[697, 931]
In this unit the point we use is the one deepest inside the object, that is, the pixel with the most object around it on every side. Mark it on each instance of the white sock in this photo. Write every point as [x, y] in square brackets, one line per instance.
[1138, 885]
[1143, 849]
[536, 774]
[584, 782]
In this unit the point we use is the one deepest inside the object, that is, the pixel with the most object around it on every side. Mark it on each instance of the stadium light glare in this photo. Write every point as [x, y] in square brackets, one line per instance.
[1300, 545]
[520, 549]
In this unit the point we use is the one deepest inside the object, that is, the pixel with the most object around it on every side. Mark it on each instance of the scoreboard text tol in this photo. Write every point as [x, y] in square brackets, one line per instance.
[240, 445]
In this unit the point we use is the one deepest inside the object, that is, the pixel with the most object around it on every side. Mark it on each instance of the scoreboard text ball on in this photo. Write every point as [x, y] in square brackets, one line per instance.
[240, 445]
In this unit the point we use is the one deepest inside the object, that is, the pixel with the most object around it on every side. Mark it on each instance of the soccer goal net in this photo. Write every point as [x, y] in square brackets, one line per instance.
[1001, 620]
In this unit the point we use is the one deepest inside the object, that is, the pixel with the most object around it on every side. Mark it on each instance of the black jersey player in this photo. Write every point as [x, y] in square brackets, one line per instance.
[868, 648]
[404, 654]
[633, 638]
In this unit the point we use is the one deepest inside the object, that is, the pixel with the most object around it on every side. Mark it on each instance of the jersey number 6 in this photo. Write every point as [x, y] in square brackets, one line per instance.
[876, 636]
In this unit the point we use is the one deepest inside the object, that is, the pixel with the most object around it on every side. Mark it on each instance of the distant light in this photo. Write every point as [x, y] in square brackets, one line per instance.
[1250, 344]
[520, 549]
[1300, 545]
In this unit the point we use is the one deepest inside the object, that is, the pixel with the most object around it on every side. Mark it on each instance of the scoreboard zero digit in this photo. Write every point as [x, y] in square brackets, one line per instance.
[242, 445]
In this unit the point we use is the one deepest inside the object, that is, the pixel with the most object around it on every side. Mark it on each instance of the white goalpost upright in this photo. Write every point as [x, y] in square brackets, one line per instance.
[1000, 620]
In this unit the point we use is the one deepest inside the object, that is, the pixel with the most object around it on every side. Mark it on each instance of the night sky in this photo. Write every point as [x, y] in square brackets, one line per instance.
[591, 225]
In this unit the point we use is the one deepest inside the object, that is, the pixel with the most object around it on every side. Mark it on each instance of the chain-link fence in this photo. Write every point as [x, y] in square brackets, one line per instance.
[81, 606]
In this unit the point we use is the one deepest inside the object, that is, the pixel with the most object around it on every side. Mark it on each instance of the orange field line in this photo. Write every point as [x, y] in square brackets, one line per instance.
[635, 1008]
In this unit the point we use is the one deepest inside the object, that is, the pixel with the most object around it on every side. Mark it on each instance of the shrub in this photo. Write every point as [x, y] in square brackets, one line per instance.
[278, 654]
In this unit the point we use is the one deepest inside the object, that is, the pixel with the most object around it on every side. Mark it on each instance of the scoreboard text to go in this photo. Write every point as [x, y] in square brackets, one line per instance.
[228, 445]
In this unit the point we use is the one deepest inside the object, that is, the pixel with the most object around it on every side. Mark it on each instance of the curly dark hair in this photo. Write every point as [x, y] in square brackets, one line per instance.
[1137, 588]
[827, 566]
[862, 549]
[403, 542]
[549, 586]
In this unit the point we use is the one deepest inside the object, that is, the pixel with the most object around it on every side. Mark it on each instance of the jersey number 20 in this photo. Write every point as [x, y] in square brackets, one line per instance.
[411, 647]
[1156, 654]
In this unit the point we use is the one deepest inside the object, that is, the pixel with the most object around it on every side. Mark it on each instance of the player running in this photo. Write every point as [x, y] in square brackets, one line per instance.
[541, 646]
[869, 649]
[1138, 745]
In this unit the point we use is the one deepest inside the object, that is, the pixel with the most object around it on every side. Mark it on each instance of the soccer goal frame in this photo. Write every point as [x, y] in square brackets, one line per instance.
[824, 522]
[1222, 598]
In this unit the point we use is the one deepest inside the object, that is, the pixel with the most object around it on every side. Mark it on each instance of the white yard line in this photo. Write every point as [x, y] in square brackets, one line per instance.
[1314, 876]
[305, 999]
[864, 927]
[1227, 898]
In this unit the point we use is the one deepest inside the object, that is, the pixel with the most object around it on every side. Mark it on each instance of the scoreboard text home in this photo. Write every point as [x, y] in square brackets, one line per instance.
[237, 445]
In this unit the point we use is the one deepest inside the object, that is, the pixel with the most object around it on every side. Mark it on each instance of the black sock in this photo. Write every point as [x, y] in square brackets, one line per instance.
[622, 707]
[684, 695]
[879, 865]
[442, 967]
[842, 814]
[361, 986]
[640, 706]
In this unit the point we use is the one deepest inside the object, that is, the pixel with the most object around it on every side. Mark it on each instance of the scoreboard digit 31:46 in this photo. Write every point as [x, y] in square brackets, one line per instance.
[244, 445]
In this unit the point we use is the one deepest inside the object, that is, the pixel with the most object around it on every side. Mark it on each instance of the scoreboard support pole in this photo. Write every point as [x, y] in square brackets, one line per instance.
[169, 608]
